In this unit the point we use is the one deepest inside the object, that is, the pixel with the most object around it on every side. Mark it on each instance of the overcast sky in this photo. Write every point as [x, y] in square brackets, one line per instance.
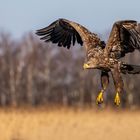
[20, 16]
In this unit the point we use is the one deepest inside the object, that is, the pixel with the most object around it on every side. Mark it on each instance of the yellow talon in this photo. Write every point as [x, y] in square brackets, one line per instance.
[99, 99]
[117, 100]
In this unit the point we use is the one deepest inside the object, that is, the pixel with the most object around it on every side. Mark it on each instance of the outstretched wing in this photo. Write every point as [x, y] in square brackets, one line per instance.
[124, 38]
[65, 33]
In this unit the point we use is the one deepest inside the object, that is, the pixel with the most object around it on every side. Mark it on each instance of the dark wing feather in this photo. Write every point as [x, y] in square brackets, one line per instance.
[124, 38]
[64, 33]
[130, 69]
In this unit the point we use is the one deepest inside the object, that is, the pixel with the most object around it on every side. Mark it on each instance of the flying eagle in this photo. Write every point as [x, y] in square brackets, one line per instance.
[124, 38]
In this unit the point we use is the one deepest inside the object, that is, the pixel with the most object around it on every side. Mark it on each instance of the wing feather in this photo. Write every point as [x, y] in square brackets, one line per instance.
[124, 38]
[130, 69]
[74, 38]
[66, 33]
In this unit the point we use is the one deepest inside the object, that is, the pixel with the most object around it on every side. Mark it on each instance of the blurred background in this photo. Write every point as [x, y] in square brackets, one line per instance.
[36, 73]
[44, 91]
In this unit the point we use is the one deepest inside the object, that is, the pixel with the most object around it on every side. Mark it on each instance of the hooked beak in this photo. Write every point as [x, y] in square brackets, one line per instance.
[86, 66]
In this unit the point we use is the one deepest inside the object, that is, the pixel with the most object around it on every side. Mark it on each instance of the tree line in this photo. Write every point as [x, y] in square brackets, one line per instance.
[36, 73]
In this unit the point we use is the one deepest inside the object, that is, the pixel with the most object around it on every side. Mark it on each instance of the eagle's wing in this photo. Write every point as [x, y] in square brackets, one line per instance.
[130, 69]
[65, 33]
[124, 38]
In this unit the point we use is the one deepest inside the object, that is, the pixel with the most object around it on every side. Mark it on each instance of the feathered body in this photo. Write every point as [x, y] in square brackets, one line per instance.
[124, 38]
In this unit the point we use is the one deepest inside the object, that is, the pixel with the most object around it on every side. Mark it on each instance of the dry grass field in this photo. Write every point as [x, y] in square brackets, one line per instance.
[69, 124]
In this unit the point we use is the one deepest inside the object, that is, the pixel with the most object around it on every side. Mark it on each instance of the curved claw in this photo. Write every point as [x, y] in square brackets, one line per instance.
[99, 99]
[117, 100]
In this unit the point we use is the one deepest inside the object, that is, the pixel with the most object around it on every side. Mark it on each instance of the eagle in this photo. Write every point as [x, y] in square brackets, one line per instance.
[105, 56]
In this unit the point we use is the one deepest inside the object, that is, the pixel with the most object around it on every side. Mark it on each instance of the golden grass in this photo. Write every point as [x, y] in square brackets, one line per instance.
[67, 124]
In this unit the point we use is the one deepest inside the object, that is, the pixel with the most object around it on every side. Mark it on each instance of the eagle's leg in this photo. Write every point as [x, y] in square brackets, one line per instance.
[118, 82]
[104, 84]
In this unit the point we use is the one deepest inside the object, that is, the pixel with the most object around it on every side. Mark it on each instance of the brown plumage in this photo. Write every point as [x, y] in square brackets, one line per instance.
[124, 38]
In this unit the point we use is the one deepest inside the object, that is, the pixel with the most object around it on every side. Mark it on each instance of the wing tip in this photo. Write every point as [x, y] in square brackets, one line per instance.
[37, 32]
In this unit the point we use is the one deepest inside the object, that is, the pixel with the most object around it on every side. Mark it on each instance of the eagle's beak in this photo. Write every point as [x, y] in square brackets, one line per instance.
[86, 66]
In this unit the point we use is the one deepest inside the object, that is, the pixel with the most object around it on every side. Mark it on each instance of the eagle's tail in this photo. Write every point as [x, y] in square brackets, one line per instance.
[130, 69]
